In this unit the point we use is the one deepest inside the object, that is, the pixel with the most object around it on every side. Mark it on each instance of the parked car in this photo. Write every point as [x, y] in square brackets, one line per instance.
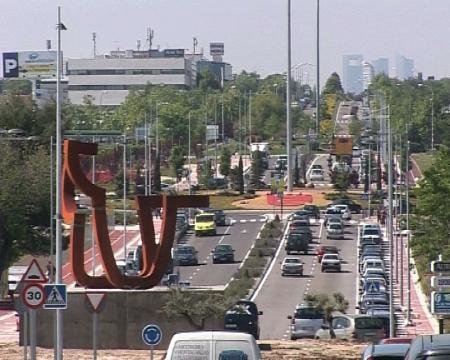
[332, 213]
[223, 253]
[213, 345]
[368, 329]
[313, 211]
[185, 255]
[305, 322]
[335, 231]
[343, 326]
[429, 347]
[330, 262]
[243, 316]
[385, 351]
[292, 266]
[326, 249]
[396, 340]
[345, 211]
[297, 243]
[354, 207]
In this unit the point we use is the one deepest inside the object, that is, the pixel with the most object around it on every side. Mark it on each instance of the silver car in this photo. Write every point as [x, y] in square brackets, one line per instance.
[305, 322]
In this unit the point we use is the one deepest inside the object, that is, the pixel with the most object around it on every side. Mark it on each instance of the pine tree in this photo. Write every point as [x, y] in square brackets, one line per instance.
[240, 176]
[156, 183]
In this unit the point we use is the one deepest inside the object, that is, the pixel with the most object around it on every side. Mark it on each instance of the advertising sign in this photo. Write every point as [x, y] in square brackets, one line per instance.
[440, 303]
[343, 145]
[29, 64]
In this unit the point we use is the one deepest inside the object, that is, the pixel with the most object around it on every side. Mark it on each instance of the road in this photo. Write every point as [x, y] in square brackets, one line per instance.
[279, 295]
[240, 235]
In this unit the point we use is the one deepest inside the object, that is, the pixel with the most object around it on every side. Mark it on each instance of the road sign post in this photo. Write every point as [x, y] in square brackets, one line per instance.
[55, 296]
[95, 300]
[440, 299]
[151, 335]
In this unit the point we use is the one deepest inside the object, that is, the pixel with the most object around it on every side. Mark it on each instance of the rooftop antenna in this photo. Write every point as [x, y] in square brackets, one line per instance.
[195, 45]
[138, 45]
[150, 36]
[94, 40]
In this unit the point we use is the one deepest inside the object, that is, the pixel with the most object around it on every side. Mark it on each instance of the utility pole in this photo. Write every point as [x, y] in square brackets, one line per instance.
[318, 71]
[223, 122]
[288, 104]
[408, 239]
[390, 233]
[125, 195]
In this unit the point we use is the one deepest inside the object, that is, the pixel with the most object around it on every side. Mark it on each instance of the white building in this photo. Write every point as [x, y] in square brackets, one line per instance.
[368, 74]
[108, 79]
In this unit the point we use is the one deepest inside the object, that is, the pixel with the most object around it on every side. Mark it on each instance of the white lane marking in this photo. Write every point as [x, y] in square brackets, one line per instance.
[244, 231]
[320, 230]
[262, 220]
[223, 236]
[242, 221]
[198, 269]
[272, 264]
[7, 316]
[252, 220]
[312, 163]
[195, 273]
[190, 277]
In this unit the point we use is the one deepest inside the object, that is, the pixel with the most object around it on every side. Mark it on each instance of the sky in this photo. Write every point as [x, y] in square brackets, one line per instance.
[254, 31]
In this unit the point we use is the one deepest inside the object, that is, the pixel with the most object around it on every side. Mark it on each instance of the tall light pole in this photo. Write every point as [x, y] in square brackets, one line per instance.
[125, 195]
[390, 232]
[408, 239]
[59, 313]
[288, 103]
[318, 70]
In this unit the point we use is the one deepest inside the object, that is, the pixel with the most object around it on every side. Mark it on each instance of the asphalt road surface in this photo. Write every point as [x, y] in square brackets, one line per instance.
[278, 296]
[241, 235]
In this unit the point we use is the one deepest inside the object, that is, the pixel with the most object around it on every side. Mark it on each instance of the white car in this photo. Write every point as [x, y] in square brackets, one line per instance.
[343, 326]
[345, 211]
[316, 175]
[335, 231]
[292, 266]
[331, 262]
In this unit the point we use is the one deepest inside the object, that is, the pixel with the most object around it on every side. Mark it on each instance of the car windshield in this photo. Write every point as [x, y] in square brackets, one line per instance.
[185, 250]
[335, 226]
[292, 261]
[223, 248]
[317, 171]
[204, 218]
[371, 231]
[331, 257]
[308, 313]
[330, 249]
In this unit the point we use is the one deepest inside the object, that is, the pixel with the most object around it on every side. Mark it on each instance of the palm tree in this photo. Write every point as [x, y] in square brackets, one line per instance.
[328, 305]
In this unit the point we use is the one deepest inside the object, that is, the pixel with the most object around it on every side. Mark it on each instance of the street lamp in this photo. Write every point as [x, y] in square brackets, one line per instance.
[288, 103]
[432, 112]
[157, 124]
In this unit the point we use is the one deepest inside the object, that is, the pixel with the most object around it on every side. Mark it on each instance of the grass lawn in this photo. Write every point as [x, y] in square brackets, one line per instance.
[224, 202]
[423, 160]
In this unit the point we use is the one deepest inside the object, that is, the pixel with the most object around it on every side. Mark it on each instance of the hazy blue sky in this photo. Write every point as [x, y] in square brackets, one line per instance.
[254, 31]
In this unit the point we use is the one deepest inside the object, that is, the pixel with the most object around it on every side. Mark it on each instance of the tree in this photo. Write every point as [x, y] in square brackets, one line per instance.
[431, 216]
[24, 202]
[195, 307]
[333, 85]
[257, 169]
[240, 176]
[326, 129]
[327, 305]
[225, 161]
[177, 161]
[156, 183]
[206, 81]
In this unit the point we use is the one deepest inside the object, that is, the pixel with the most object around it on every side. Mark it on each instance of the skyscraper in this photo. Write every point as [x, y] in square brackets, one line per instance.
[381, 66]
[353, 73]
[404, 67]
[368, 74]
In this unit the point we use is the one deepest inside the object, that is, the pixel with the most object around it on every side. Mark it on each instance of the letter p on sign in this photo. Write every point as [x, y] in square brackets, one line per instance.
[10, 65]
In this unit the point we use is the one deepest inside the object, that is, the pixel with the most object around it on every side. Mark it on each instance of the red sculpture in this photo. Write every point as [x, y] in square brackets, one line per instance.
[156, 257]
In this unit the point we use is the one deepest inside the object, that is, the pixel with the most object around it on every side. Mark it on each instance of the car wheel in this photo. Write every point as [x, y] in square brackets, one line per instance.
[305, 252]
[289, 252]
[293, 338]
[282, 274]
[322, 270]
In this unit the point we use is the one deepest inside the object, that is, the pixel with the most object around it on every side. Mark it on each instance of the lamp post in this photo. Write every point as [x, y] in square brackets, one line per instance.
[157, 123]
[288, 103]
[432, 113]
[317, 70]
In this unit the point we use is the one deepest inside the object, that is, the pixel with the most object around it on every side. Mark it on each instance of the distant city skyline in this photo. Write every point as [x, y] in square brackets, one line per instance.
[253, 31]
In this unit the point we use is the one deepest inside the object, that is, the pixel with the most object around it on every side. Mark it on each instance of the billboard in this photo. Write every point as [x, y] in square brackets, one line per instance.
[29, 64]
[440, 303]
[216, 49]
[343, 145]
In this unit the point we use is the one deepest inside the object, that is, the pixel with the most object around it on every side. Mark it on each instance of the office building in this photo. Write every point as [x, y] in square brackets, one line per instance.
[108, 79]
[368, 74]
[381, 66]
[353, 73]
[404, 67]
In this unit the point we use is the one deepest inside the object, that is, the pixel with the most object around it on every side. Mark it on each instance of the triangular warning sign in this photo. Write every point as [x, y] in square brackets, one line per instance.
[95, 299]
[34, 273]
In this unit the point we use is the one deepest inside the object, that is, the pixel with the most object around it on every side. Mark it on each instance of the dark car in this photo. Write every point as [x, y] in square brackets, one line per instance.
[303, 231]
[223, 253]
[354, 207]
[185, 255]
[297, 243]
[243, 316]
[429, 347]
[384, 316]
[385, 352]
[312, 210]
[220, 218]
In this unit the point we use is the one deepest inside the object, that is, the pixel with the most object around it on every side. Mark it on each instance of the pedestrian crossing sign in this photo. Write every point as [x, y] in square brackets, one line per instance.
[55, 296]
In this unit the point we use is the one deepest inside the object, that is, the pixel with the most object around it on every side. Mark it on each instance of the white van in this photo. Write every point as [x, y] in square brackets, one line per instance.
[373, 263]
[213, 345]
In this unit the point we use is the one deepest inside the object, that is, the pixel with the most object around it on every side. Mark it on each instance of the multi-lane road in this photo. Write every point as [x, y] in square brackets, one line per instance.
[278, 296]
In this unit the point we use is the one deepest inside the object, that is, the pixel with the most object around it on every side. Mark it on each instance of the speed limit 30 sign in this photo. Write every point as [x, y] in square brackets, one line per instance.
[33, 295]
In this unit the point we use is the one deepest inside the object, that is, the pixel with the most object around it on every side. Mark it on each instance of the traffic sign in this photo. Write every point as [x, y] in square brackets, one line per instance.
[440, 281]
[440, 266]
[55, 296]
[34, 273]
[440, 303]
[33, 295]
[95, 299]
[151, 335]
